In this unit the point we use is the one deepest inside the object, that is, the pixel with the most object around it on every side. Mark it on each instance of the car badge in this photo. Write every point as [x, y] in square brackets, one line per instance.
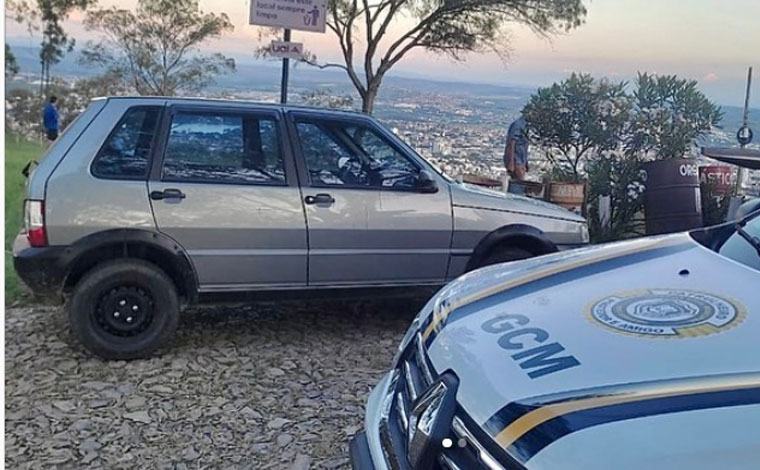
[430, 422]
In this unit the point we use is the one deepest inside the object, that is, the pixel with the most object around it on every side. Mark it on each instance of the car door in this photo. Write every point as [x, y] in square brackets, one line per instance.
[368, 223]
[225, 188]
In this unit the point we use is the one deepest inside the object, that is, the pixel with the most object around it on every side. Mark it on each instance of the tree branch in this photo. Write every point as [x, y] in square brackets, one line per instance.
[314, 63]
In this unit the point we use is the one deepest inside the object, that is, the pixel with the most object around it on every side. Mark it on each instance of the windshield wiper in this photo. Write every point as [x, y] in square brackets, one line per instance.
[754, 241]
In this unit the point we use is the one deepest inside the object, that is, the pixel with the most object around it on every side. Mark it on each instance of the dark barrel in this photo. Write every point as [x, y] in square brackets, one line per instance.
[672, 198]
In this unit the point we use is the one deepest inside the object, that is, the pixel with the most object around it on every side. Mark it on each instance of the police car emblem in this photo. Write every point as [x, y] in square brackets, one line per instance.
[667, 313]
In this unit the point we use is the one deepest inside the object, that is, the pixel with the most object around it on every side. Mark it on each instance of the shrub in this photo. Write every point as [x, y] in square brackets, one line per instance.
[618, 177]
[576, 119]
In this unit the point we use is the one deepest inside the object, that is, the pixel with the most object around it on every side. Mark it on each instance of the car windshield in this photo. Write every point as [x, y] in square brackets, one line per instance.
[428, 163]
[743, 245]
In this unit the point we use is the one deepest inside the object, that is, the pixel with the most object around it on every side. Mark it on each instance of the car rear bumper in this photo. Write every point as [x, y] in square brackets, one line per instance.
[39, 268]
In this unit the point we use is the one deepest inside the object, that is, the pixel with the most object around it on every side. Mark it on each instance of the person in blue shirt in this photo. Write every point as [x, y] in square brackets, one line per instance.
[50, 119]
[516, 152]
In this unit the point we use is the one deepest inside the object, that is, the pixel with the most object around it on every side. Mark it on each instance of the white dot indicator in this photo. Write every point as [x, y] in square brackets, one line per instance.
[447, 443]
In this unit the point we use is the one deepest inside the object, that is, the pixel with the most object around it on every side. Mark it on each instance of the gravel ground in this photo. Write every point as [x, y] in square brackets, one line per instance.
[261, 386]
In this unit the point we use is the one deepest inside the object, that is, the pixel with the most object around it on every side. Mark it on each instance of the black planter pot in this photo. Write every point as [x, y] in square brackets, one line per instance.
[672, 199]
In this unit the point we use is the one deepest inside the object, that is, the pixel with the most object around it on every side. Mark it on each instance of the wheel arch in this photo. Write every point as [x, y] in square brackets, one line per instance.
[151, 246]
[522, 236]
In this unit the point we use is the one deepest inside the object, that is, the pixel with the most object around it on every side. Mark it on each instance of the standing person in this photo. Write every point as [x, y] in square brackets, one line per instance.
[516, 152]
[50, 119]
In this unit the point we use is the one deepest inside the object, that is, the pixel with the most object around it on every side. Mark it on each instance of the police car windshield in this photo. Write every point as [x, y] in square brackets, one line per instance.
[744, 244]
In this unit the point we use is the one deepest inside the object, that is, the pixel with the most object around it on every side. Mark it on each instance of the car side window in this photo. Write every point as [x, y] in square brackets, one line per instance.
[207, 147]
[353, 155]
[324, 153]
[126, 152]
[740, 250]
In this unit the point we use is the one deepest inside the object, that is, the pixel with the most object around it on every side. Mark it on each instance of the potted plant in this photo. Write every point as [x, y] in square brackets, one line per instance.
[669, 115]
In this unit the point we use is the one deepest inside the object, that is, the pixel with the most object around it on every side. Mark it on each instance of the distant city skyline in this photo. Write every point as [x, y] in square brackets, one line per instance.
[702, 40]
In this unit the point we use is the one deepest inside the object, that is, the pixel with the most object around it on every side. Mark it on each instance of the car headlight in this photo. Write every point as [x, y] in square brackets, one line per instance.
[414, 327]
[408, 337]
[585, 238]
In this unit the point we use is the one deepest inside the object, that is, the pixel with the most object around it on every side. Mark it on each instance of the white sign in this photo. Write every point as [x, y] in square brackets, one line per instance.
[287, 50]
[304, 15]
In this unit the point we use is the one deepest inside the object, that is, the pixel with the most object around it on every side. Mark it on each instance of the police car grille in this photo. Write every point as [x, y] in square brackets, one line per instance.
[412, 375]
[415, 376]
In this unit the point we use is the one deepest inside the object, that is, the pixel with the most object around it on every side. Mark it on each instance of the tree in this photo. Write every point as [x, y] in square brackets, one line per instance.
[47, 16]
[11, 65]
[596, 130]
[451, 28]
[155, 49]
[577, 119]
[670, 115]
[55, 43]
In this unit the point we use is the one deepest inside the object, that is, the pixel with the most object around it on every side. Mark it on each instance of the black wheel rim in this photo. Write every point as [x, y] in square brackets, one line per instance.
[125, 311]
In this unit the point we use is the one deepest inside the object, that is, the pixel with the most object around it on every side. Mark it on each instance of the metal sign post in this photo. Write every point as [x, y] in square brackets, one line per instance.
[745, 124]
[743, 157]
[744, 136]
[303, 15]
[285, 73]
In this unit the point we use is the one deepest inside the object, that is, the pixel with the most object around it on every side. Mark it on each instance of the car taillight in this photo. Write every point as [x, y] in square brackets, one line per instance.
[34, 222]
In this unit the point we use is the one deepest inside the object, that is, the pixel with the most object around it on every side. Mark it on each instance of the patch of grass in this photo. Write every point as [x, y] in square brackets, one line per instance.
[18, 152]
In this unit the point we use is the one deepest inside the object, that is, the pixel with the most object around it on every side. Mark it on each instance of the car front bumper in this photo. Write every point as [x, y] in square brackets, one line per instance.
[366, 449]
[396, 404]
[361, 458]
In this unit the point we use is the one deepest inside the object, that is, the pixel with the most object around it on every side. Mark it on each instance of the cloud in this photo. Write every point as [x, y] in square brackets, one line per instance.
[710, 77]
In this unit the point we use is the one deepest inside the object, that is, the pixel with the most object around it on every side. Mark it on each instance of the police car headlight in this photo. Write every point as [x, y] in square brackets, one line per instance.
[414, 328]
[407, 339]
[585, 238]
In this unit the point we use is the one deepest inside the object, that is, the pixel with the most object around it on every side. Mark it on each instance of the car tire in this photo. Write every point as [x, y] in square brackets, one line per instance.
[504, 255]
[124, 309]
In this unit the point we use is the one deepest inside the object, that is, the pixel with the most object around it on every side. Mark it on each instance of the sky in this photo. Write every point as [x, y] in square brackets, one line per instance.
[712, 41]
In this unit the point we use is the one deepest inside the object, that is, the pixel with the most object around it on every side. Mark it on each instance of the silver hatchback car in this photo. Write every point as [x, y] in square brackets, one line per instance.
[145, 205]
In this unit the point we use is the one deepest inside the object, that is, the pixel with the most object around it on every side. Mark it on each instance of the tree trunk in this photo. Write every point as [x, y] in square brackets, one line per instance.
[368, 102]
[42, 78]
[369, 97]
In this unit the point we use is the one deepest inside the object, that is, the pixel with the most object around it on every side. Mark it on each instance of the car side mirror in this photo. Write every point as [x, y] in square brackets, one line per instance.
[747, 208]
[426, 183]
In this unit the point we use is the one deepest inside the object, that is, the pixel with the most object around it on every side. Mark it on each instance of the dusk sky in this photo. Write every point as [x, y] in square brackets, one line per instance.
[712, 41]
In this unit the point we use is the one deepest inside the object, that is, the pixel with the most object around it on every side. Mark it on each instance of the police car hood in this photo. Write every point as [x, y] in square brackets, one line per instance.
[642, 312]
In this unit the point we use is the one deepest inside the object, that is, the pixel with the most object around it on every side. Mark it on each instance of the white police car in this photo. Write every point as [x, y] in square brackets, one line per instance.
[636, 355]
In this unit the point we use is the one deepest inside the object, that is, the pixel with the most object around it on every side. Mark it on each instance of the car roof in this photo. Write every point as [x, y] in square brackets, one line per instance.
[235, 102]
[743, 157]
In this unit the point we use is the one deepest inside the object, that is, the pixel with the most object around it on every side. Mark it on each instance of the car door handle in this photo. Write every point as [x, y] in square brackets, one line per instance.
[319, 199]
[170, 193]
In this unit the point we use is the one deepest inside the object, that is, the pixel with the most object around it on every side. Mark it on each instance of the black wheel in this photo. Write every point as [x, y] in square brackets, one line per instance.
[503, 255]
[124, 309]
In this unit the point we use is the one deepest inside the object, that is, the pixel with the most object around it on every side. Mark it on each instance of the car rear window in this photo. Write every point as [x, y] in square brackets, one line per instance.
[126, 152]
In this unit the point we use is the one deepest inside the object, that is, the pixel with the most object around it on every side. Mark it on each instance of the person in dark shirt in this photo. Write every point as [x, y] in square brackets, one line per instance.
[516, 153]
[50, 119]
